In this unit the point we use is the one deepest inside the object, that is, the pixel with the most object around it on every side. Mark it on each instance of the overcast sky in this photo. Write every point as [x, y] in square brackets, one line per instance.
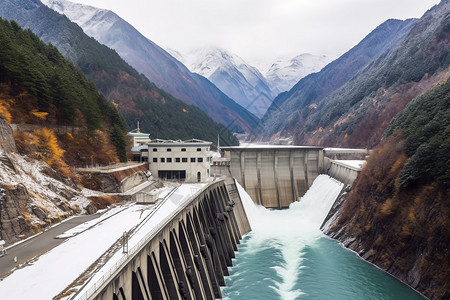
[261, 30]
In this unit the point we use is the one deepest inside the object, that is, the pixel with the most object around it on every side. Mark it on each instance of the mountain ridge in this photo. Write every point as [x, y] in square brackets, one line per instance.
[285, 72]
[137, 98]
[244, 82]
[154, 62]
[231, 74]
[310, 91]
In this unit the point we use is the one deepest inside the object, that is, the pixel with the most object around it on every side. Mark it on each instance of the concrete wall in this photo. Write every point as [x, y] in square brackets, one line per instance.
[274, 176]
[190, 254]
[340, 171]
[115, 180]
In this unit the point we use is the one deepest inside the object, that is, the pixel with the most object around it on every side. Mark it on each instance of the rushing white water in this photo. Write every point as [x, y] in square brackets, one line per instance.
[290, 230]
[287, 257]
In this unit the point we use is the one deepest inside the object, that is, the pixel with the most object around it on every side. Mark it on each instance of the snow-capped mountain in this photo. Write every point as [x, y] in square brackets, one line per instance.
[230, 73]
[93, 20]
[285, 72]
[155, 63]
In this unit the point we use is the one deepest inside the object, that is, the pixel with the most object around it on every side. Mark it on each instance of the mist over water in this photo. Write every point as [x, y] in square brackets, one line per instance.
[286, 256]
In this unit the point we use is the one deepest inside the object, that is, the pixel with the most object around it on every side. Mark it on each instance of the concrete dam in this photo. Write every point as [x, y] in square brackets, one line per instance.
[275, 176]
[185, 256]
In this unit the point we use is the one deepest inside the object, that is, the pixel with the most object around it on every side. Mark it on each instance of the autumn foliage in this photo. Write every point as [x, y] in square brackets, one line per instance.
[40, 89]
[399, 228]
[43, 144]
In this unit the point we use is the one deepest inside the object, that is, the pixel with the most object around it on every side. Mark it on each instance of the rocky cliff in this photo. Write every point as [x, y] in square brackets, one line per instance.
[35, 195]
[7, 144]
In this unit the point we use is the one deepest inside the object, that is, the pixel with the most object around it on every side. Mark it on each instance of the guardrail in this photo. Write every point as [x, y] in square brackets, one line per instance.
[122, 262]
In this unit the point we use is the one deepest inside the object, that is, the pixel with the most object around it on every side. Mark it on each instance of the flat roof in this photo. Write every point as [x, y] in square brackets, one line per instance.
[269, 147]
[191, 142]
[139, 134]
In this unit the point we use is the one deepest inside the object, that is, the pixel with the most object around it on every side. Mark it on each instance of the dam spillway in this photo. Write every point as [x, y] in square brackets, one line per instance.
[274, 176]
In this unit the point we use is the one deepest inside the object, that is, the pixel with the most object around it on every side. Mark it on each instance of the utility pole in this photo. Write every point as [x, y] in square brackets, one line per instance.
[125, 242]
[2, 242]
[2, 199]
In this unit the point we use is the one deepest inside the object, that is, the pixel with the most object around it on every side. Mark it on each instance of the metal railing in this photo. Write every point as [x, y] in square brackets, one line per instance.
[123, 261]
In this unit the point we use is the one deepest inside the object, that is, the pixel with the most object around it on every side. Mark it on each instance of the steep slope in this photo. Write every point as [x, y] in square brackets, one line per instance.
[38, 86]
[358, 113]
[152, 61]
[397, 215]
[291, 109]
[34, 197]
[285, 72]
[160, 113]
[60, 120]
[232, 75]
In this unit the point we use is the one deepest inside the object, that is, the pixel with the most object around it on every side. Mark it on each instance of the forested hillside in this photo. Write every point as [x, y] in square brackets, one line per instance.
[159, 113]
[39, 86]
[155, 63]
[61, 121]
[357, 113]
[398, 213]
[290, 110]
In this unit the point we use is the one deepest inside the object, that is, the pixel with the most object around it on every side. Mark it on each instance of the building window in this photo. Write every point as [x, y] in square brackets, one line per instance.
[169, 149]
[169, 159]
[184, 159]
[177, 159]
[155, 160]
[163, 159]
[192, 159]
[200, 159]
[199, 149]
[183, 149]
[155, 149]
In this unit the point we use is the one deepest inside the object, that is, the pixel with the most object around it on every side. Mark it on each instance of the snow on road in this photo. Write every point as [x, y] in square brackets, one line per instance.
[175, 201]
[54, 271]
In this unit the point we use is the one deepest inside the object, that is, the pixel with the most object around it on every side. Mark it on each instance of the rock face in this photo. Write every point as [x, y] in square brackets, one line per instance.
[14, 223]
[33, 199]
[7, 144]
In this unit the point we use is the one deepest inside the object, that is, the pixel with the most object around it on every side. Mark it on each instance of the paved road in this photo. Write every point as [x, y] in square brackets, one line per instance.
[39, 244]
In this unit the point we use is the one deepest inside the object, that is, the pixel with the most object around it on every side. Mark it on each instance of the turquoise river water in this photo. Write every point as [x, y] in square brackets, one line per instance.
[287, 257]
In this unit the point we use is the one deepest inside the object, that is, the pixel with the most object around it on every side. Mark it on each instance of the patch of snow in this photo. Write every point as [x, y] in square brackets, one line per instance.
[172, 205]
[90, 18]
[39, 186]
[285, 72]
[89, 224]
[63, 264]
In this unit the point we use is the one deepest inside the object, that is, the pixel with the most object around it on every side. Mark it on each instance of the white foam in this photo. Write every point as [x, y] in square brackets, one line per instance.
[290, 230]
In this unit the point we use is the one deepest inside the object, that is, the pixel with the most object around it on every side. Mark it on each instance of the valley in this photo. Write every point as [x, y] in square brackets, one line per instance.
[77, 81]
